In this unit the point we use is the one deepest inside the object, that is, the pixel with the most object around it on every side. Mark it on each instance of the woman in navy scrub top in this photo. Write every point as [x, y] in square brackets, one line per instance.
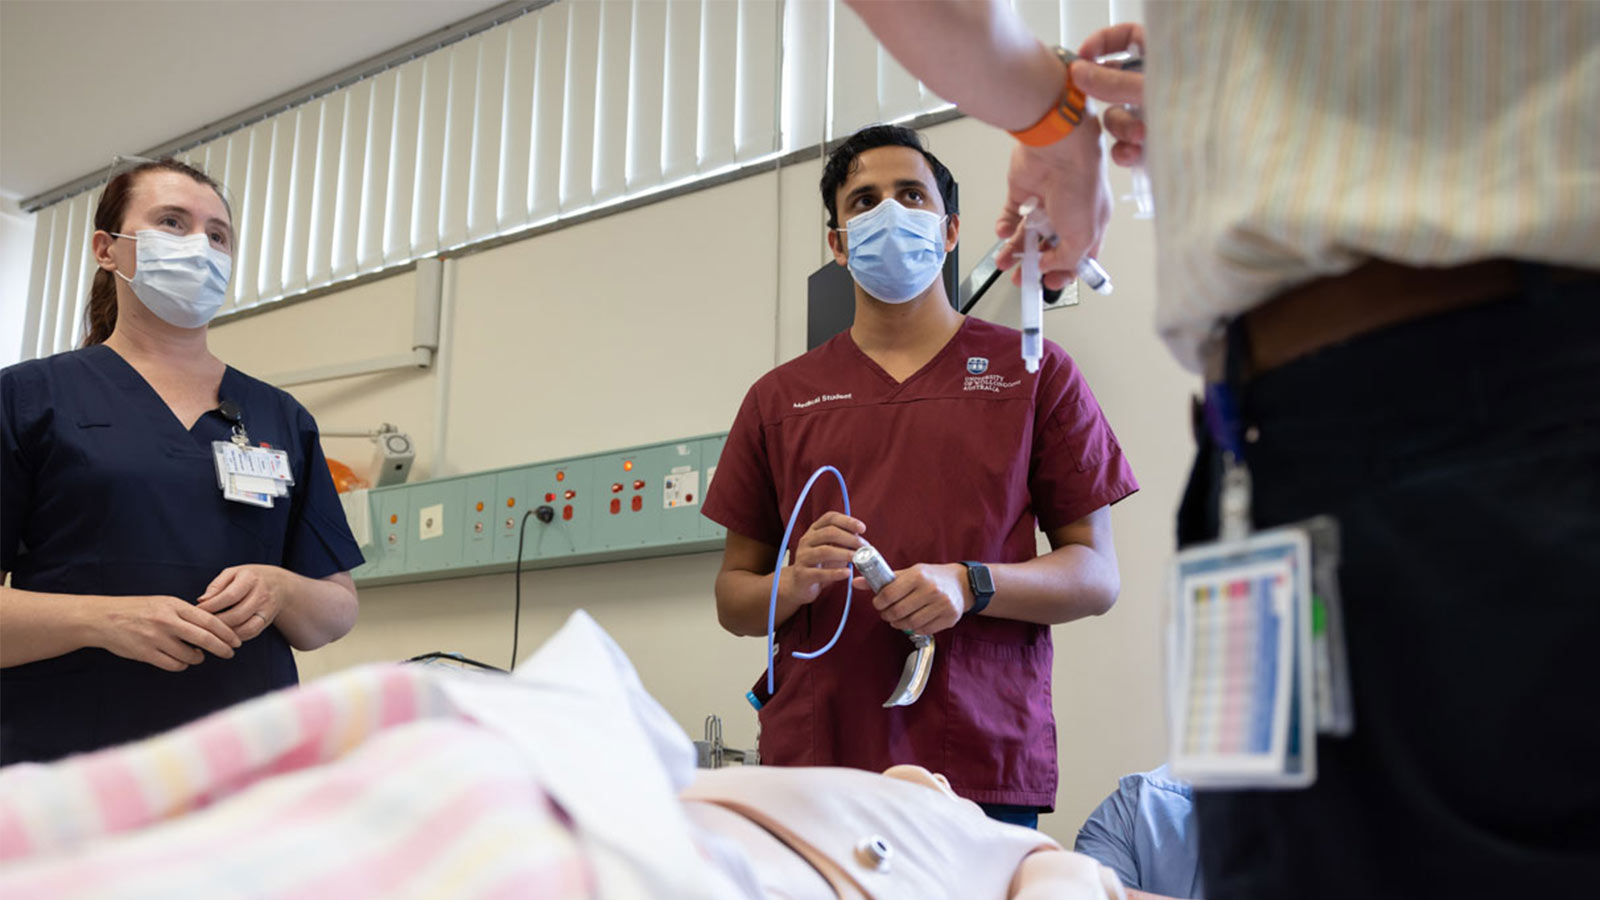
[139, 598]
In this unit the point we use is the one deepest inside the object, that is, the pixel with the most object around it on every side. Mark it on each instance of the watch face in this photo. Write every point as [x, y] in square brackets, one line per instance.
[980, 579]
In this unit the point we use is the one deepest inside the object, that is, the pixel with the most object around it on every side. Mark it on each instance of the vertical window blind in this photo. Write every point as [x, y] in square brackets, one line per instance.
[556, 113]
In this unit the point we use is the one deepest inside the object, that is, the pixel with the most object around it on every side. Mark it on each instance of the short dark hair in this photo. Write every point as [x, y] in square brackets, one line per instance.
[842, 161]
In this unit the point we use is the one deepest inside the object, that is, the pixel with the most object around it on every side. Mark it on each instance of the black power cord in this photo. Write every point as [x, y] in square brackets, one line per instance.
[1051, 295]
[454, 657]
[545, 515]
[982, 289]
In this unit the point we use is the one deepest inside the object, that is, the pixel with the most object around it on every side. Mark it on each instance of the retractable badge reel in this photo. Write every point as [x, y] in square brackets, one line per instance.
[246, 474]
[1255, 644]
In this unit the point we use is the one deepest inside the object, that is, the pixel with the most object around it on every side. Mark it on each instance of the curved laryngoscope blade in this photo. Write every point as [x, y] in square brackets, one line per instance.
[919, 665]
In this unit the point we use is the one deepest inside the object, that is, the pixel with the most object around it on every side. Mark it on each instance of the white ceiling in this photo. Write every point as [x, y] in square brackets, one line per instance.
[82, 80]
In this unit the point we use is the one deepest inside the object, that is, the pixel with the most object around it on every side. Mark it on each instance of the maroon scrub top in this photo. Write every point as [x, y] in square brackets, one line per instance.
[961, 461]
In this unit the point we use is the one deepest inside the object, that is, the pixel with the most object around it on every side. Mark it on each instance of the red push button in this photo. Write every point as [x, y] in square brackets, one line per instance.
[566, 514]
[551, 498]
[616, 506]
[571, 494]
[638, 484]
[638, 503]
[616, 488]
[688, 498]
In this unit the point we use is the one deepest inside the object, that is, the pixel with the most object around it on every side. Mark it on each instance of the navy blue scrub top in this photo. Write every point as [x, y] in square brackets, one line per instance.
[104, 492]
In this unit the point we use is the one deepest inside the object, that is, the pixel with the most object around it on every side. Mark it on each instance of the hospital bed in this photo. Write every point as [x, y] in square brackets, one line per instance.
[559, 781]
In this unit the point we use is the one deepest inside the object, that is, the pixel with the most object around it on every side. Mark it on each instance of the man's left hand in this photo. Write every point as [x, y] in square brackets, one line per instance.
[248, 598]
[924, 599]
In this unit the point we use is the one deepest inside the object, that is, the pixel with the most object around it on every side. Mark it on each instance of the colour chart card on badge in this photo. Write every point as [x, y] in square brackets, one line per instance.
[1241, 675]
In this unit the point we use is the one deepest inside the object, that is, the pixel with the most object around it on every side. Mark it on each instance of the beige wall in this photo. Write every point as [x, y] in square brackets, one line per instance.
[650, 325]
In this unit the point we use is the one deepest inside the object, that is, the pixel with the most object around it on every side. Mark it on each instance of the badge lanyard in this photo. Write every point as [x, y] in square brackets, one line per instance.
[246, 474]
[1255, 645]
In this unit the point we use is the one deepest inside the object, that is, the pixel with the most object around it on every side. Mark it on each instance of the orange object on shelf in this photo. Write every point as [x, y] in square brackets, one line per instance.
[344, 478]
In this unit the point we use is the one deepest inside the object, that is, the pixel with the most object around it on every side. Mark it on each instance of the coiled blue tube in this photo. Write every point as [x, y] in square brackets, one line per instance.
[783, 550]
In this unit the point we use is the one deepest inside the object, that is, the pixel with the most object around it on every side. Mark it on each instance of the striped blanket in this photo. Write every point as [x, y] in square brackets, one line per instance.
[367, 783]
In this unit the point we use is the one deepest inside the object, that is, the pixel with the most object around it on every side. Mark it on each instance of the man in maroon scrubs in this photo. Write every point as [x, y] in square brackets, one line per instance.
[953, 454]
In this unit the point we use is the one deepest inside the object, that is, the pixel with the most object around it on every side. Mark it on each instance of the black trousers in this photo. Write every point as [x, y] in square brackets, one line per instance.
[1461, 456]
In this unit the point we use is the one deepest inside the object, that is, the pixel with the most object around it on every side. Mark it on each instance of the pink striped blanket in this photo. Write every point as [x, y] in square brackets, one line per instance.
[367, 783]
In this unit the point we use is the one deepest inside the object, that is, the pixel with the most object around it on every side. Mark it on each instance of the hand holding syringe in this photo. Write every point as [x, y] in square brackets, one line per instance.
[1059, 200]
[1037, 233]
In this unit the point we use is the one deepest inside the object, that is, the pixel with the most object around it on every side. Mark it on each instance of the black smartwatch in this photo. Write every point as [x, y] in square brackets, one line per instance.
[982, 584]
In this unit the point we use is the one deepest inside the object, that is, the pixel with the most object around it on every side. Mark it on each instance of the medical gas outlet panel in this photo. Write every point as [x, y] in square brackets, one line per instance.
[628, 504]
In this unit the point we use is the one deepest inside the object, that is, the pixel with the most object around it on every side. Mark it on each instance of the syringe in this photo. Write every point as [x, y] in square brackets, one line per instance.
[1036, 230]
[1033, 223]
[1090, 273]
[1132, 60]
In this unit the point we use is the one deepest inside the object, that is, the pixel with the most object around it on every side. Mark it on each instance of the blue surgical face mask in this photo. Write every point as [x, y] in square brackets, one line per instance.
[182, 279]
[895, 253]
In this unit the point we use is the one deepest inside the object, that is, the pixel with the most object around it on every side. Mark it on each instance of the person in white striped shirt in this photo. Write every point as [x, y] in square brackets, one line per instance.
[1380, 224]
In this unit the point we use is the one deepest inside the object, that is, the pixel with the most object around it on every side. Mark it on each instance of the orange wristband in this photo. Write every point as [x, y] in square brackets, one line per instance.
[1059, 120]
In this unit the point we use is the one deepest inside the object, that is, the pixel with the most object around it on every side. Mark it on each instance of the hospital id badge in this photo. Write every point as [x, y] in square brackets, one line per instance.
[1257, 657]
[1241, 674]
[253, 475]
[254, 498]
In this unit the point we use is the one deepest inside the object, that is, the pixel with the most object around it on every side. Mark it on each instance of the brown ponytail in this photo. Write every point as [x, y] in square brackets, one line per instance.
[100, 319]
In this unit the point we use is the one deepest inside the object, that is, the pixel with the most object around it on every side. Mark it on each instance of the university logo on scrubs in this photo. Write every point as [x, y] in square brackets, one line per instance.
[977, 365]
